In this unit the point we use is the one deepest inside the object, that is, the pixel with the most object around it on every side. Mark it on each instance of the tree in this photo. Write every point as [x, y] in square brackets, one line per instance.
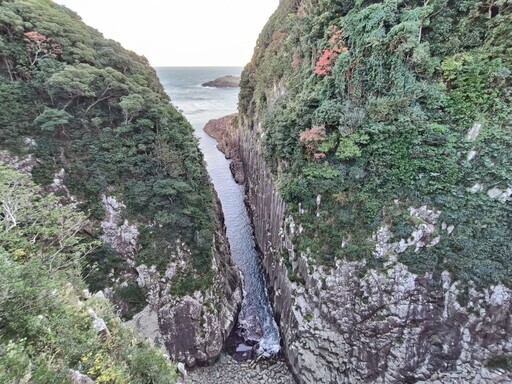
[39, 46]
[53, 118]
[32, 225]
[131, 106]
[72, 82]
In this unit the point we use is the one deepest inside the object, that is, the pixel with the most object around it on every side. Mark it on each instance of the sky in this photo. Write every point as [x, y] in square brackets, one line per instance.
[180, 32]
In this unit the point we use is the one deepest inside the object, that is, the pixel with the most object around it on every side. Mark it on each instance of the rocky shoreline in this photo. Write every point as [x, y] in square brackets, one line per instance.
[229, 371]
[224, 130]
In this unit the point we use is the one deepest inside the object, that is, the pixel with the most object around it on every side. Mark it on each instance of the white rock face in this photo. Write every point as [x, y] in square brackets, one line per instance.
[476, 188]
[471, 155]
[500, 194]
[121, 236]
[78, 378]
[23, 165]
[474, 132]
[99, 324]
[146, 323]
[421, 237]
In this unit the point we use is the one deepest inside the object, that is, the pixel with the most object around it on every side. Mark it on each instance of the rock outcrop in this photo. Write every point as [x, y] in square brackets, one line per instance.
[352, 323]
[228, 81]
[224, 131]
[389, 262]
[192, 328]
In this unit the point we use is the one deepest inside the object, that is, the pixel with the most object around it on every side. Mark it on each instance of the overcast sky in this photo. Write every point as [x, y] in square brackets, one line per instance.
[180, 32]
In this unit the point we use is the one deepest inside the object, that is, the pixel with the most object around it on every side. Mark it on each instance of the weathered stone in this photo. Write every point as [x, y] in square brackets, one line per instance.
[225, 132]
[228, 81]
[122, 238]
[350, 323]
[99, 324]
[146, 323]
[471, 155]
[78, 378]
[476, 188]
[23, 165]
[194, 327]
[494, 193]
[474, 132]
[228, 371]
[182, 370]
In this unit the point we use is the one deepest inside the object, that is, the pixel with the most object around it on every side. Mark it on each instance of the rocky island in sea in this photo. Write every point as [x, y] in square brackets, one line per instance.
[228, 81]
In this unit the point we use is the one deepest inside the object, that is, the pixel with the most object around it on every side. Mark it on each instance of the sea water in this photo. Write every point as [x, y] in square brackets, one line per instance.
[199, 105]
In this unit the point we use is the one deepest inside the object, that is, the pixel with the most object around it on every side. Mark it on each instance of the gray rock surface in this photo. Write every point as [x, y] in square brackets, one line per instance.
[225, 131]
[228, 371]
[99, 325]
[78, 378]
[228, 81]
[351, 323]
[122, 237]
[23, 165]
[192, 328]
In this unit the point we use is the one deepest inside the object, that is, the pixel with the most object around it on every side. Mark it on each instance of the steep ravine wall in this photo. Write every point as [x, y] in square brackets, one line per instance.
[348, 324]
[192, 328]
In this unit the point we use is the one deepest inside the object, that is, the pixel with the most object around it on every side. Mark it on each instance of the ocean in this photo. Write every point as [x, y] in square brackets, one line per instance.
[199, 105]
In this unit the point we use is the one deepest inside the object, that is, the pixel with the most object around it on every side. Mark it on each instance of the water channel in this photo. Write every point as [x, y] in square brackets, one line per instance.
[199, 105]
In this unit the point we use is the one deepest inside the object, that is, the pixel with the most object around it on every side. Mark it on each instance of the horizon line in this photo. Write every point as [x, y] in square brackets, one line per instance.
[198, 66]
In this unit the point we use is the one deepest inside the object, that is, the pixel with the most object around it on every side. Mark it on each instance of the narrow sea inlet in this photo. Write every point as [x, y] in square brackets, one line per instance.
[199, 105]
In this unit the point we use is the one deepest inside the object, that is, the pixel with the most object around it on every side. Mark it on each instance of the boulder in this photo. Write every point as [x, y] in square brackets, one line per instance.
[77, 378]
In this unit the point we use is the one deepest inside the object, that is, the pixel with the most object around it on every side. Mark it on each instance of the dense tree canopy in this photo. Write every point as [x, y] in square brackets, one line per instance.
[396, 85]
[98, 111]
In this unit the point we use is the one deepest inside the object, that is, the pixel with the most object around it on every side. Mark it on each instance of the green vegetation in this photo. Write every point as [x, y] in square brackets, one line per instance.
[393, 87]
[78, 105]
[81, 103]
[46, 328]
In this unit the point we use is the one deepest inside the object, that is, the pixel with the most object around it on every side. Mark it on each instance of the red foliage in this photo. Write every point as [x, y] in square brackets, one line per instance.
[34, 37]
[319, 155]
[326, 61]
[316, 133]
[40, 46]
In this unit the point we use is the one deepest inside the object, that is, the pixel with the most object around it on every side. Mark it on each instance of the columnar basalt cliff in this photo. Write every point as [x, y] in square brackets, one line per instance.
[349, 324]
[380, 226]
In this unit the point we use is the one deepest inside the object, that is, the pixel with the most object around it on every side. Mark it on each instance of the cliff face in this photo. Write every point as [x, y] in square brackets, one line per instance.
[224, 130]
[192, 327]
[349, 324]
[376, 271]
[90, 122]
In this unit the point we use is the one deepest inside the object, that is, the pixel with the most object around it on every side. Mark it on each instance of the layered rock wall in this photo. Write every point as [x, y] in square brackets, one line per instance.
[351, 324]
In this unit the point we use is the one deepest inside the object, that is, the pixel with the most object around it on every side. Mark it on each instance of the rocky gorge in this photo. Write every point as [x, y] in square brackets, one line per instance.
[371, 150]
[352, 324]
[375, 260]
